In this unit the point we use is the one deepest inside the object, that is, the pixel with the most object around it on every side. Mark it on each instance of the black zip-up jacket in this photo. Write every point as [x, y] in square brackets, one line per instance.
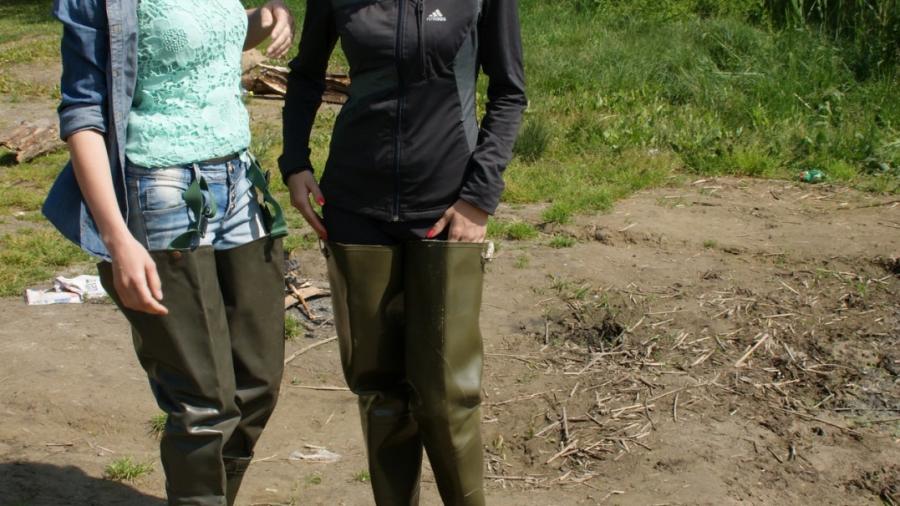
[407, 145]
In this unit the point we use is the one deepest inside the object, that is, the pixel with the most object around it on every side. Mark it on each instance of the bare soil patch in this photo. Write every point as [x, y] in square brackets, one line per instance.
[726, 342]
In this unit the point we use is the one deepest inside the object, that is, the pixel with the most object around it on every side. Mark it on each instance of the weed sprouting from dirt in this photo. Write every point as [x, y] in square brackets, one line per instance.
[126, 469]
[157, 424]
[562, 241]
[292, 328]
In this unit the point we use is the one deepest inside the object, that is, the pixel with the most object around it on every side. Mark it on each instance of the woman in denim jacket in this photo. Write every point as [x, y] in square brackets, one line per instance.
[161, 187]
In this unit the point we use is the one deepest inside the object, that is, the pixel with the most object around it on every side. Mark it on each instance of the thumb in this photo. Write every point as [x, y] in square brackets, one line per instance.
[441, 224]
[265, 16]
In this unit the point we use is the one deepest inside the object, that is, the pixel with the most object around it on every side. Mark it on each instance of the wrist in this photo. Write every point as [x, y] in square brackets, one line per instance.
[117, 241]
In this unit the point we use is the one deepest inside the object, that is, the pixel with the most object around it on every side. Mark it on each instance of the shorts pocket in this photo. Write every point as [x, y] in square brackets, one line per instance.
[161, 195]
[164, 213]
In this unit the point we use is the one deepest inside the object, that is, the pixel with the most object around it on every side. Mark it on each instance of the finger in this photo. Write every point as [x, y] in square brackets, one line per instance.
[279, 32]
[313, 188]
[147, 303]
[457, 233]
[275, 49]
[440, 225]
[313, 219]
[153, 281]
[142, 296]
[279, 47]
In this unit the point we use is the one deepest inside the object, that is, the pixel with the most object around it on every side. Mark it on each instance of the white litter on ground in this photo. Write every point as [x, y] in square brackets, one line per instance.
[319, 454]
[67, 291]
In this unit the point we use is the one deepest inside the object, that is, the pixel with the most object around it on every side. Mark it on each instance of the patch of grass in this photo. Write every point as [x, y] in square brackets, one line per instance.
[34, 255]
[513, 231]
[558, 213]
[362, 476]
[23, 187]
[313, 479]
[301, 236]
[126, 469]
[533, 140]
[562, 241]
[709, 244]
[157, 424]
[292, 328]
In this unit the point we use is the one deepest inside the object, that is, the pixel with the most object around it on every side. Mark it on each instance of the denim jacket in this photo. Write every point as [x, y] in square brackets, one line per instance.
[99, 57]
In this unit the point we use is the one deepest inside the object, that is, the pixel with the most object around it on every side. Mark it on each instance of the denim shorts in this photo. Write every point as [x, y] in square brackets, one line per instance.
[159, 213]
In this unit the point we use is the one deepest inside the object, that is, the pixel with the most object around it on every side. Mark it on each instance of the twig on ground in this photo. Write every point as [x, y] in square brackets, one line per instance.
[304, 350]
[327, 388]
[740, 362]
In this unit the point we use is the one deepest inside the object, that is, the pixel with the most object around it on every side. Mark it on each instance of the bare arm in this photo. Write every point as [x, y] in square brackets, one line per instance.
[271, 20]
[134, 272]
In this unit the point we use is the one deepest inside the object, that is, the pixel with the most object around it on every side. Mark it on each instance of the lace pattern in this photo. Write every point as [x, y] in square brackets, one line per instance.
[187, 106]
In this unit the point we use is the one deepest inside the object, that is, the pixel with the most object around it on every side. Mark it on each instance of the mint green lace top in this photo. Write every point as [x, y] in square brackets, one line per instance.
[187, 106]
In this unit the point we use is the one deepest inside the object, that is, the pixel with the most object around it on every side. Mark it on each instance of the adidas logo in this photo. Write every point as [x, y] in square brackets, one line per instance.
[437, 15]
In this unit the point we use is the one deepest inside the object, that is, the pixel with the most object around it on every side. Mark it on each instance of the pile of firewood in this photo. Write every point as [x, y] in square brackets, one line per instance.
[271, 81]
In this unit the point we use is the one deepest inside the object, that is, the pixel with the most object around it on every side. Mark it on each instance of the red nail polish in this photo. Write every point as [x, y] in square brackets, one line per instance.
[321, 201]
[431, 233]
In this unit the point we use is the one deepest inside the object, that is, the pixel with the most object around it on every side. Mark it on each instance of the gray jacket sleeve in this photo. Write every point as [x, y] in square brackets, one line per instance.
[500, 57]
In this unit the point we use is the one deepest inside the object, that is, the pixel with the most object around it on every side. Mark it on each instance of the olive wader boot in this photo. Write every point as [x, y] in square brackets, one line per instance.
[367, 294]
[214, 362]
[444, 357]
[407, 318]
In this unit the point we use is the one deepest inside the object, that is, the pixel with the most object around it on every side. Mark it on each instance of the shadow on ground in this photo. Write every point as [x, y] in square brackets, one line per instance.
[37, 484]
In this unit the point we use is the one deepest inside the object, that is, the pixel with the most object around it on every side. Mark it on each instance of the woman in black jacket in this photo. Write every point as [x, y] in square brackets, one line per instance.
[410, 181]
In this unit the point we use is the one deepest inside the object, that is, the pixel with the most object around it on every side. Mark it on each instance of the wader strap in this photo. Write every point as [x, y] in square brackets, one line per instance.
[273, 215]
[202, 205]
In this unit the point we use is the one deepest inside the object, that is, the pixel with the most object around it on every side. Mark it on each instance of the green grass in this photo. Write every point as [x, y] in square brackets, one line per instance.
[292, 328]
[126, 469]
[533, 140]
[32, 255]
[562, 241]
[362, 476]
[28, 34]
[513, 231]
[157, 424]
[24, 187]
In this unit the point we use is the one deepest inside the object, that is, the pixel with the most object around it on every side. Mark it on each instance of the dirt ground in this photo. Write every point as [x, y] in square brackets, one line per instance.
[721, 342]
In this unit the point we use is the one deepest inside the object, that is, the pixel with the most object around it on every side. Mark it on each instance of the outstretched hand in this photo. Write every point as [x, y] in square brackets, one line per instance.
[467, 223]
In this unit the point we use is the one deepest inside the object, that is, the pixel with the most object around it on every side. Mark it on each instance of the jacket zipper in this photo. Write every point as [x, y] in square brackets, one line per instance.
[398, 56]
[420, 19]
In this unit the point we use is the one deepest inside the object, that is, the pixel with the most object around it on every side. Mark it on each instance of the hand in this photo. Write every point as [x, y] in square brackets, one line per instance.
[278, 21]
[135, 278]
[467, 223]
[301, 185]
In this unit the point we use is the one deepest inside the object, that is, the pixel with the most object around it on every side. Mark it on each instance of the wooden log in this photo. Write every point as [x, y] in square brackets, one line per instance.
[30, 140]
[271, 81]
